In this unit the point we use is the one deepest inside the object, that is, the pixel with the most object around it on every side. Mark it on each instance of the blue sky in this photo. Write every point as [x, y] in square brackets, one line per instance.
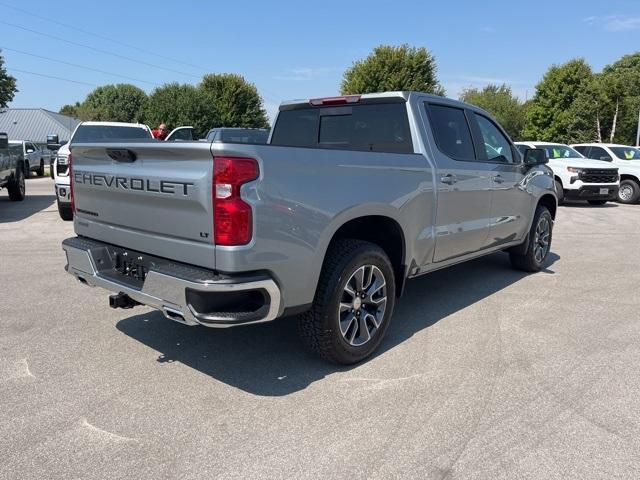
[300, 49]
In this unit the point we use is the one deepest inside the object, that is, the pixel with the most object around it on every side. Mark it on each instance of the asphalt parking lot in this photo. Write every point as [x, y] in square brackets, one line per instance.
[485, 373]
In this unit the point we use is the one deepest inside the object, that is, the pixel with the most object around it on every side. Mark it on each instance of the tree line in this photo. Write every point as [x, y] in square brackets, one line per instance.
[571, 102]
[218, 100]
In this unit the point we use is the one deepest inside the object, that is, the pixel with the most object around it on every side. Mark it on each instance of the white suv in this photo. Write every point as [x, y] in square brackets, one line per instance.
[578, 178]
[626, 159]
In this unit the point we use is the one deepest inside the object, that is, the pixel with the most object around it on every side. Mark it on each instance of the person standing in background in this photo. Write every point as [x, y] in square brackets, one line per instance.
[161, 132]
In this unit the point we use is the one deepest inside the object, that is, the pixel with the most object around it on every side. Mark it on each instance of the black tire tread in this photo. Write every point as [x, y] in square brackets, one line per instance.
[636, 188]
[65, 212]
[14, 189]
[310, 324]
[526, 261]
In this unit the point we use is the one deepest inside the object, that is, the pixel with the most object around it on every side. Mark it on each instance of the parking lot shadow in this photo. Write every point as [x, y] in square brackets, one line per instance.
[269, 360]
[578, 204]
[16, 211]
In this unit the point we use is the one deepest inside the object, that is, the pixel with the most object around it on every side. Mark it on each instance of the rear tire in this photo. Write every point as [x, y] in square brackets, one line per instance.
[353, 303]
[40, 171]
[629, 192]
[538, 243]
[16, 189]
[65, 212]
[597, 202]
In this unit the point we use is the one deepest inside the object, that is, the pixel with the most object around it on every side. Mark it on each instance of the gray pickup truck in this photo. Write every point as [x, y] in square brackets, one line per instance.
[351, 197]
[11, 169]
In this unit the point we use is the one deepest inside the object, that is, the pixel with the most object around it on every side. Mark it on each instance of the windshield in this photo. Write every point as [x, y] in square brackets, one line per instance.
[560, 151]
[99, 133]
[626, 153]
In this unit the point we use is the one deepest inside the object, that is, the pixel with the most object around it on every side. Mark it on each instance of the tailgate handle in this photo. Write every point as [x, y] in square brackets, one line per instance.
[121, 155]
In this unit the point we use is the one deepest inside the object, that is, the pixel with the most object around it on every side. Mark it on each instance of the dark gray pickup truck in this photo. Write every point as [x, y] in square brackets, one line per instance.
[12, 169]
[351, 197]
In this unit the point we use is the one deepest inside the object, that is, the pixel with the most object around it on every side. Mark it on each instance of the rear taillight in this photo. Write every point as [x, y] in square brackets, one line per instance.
[232, 216]
[335, 100]
[70, 170]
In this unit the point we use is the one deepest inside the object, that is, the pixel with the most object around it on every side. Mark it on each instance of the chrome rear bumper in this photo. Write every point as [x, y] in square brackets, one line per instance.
[168, 286]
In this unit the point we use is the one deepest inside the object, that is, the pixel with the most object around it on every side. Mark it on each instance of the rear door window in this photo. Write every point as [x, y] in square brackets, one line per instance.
[583, 150]
[451, 131]
[368, 128]
[599, 153]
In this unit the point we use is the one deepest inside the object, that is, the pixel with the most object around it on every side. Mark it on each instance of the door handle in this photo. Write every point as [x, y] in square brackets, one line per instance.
[498, 179]
[449, 179]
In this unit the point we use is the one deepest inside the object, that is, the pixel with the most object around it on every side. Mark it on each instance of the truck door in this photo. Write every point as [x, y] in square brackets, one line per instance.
[510, 201]
[464, 197]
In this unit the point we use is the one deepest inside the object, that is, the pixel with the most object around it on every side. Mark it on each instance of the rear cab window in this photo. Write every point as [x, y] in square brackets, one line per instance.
[367, 127]
[106, 133]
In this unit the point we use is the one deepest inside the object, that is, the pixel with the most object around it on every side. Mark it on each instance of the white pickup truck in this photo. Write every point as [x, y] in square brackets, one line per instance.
[623, 157]
[577, 177]
[89, 131]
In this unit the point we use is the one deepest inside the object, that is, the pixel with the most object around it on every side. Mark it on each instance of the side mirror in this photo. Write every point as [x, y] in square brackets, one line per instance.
[30, 150]
[606, 158]
[535, 156]
[52, 142]
[4, 141]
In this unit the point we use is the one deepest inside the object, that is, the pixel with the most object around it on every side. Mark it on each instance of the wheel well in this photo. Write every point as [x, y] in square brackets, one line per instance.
[558, 179]
[549, 201]
[628, 177]
[384, 232]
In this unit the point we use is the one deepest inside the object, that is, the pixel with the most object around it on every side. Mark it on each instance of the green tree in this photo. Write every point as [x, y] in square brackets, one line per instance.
[550, 113]
[7, 85]
[180, 104]
[584, 116]
[620, 93]
[500, 102]
[390, 68]
[235, 101]
[71, 110]
[114, 103]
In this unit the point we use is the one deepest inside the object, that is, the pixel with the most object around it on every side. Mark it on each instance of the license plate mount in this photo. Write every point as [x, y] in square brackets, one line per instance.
[604, 191]
[131, 266]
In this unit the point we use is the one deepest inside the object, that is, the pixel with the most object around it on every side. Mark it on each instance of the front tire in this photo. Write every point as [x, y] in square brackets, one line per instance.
[40, 171]
[65, 212]
[27, 171]
[353, 304]
[538, 243]
[629, 192]
[559, 192]
[16, 189]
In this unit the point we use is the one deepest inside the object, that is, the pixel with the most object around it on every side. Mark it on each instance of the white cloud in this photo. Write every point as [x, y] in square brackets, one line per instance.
[614, 23]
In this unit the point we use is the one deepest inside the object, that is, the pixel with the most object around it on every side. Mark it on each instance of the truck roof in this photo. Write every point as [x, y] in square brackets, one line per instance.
[400, 95]
[116, 124]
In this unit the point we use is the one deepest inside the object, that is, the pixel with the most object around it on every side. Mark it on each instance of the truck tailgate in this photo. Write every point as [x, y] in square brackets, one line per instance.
[152, 197]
